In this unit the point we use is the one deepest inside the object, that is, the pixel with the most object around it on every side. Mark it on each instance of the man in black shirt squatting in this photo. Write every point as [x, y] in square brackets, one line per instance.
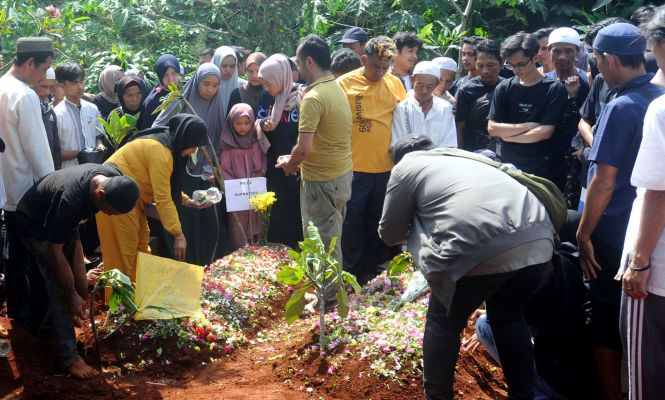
[526, 109]
[49, 215]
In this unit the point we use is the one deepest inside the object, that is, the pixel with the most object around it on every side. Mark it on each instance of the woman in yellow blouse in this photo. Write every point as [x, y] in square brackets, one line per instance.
[155, 158]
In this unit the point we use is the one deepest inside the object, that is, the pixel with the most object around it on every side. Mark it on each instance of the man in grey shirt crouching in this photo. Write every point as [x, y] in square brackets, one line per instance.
[477, 235]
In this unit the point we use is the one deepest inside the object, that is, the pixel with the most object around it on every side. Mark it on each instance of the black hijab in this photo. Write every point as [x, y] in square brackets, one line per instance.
[184, 131]
[125, 83]
[122, 86]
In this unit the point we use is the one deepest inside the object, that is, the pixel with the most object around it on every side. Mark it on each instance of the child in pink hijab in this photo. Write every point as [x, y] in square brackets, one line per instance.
[242, 157]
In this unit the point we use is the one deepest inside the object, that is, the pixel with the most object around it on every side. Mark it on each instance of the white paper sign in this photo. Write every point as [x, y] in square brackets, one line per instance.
[239, 191]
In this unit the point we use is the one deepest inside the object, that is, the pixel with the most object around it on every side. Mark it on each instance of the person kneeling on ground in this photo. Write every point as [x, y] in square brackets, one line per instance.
[470, 250]
[49, 215]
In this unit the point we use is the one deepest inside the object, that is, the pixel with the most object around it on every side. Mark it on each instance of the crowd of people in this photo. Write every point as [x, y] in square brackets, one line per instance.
[377, 149]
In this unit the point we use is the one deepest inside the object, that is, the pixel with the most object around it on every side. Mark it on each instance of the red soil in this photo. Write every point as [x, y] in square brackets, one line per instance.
[277, 370]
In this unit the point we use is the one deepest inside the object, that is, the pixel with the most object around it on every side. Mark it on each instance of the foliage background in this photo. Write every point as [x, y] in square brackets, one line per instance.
[133, 33]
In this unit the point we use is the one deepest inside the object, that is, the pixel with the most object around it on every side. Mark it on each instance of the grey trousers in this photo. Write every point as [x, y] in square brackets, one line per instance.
[643, 336]
[59, 309]
[324, 203]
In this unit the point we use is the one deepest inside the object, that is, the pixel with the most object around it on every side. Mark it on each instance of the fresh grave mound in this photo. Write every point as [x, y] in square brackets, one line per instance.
[376, 352]
[243, 346]
[239, 294]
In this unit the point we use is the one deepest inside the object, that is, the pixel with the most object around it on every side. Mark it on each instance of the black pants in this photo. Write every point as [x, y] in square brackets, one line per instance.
[27, 300]
[506, 296]
[362, 248]
[605, 296]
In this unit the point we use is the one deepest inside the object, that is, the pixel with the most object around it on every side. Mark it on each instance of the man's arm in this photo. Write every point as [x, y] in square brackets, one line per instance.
[652, 222]
[535, 135]
[503, 130]
[586, 131]
[460, 133]
[69, 155]
[398, 128]
[598, 197]
[397, 211]
[64, 276]
[303, 147]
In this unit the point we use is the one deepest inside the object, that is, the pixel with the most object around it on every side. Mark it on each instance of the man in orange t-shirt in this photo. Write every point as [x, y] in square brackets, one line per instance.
[373, 94]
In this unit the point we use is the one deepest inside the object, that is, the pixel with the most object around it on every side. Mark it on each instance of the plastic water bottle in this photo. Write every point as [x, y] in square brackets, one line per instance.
[207, 173]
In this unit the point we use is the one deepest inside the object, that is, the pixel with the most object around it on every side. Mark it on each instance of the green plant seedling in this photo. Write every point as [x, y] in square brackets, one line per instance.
[316, 267]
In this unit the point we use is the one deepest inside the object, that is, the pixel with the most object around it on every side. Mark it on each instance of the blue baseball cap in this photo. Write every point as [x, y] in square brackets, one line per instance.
[621, 39]
[353, 35]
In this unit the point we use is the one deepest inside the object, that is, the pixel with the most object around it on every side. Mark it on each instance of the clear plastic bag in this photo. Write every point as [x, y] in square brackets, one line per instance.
[212, 196]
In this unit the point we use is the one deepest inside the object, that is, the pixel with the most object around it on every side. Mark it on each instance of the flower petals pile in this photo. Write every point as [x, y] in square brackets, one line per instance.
[390, 339]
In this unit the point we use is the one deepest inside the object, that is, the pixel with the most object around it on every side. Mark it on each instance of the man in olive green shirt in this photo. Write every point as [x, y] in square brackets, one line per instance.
[323, 151]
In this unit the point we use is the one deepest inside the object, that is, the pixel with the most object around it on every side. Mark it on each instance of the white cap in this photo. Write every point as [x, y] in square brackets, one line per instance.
[50, 73]
[427, 68]
[446, 63]
[564, 35]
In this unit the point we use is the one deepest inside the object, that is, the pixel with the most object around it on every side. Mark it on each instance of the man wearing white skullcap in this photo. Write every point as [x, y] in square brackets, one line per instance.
[448, 68]
[25, 160]
[422, 113]
[564, 47]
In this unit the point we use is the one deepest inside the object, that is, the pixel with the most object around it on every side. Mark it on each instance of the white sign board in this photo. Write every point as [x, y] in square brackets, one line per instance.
[239, 191]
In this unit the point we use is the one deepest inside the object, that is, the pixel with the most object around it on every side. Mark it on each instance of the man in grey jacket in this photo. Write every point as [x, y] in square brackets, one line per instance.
[477, 235]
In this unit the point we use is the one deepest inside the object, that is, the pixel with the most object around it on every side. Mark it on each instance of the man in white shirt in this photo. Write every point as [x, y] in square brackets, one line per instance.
[422, 113]
[643, 263]
[77, 118]
[26, 158]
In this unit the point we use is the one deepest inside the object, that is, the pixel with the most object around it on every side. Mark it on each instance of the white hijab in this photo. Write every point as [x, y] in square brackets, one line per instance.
[226, 87]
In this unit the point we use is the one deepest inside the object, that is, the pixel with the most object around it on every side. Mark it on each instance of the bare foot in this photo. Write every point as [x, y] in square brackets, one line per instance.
[80, 370]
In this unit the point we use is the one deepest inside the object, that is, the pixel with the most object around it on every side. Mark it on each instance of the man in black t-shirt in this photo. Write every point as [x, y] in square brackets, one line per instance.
[526, 109]
[468, 60]
[475, 97]
[49, 215]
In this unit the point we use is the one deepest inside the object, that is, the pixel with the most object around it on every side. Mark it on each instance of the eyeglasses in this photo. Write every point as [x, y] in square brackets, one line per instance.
[518, 66]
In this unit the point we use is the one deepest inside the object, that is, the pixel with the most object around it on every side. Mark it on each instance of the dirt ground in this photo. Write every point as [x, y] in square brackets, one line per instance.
[279, 369]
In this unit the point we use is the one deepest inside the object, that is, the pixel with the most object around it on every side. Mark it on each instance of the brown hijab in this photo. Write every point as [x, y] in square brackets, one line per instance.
[249, 93]
[230, 139]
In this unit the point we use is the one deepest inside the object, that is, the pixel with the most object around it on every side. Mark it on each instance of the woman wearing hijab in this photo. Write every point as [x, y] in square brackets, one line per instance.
[249, 91]
[208, 228]
[241, 158]
[107, 100]
[130, 96]
[226, 60]
[168, 72]
[278, 112]
[155, 158]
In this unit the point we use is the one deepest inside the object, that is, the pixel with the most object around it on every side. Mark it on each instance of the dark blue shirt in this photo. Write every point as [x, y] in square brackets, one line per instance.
[598, 97]
[616, 143]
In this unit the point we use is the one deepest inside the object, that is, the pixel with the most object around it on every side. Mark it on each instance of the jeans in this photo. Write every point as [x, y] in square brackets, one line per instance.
[362, 247]
[59, 310]
[506, 296]
[542, 391]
